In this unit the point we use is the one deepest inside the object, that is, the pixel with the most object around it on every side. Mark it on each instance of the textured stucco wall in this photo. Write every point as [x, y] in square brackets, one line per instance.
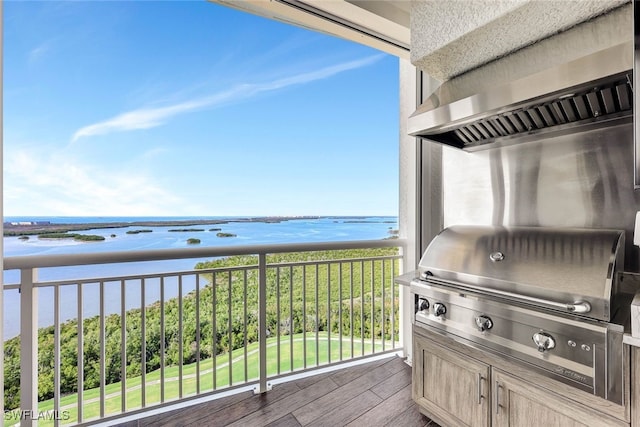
[600, 33]
[449, 38]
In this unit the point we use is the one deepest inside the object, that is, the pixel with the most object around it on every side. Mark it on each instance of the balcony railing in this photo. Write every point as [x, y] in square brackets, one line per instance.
[140, 341]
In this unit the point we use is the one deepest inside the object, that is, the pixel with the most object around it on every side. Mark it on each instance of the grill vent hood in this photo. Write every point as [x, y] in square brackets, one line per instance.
[588, 92]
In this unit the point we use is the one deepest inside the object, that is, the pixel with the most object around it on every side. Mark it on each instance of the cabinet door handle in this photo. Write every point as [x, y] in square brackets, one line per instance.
[498, 386]
[480, 378]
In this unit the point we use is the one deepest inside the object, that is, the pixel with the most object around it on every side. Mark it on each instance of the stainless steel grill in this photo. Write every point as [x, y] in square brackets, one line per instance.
[550, 298]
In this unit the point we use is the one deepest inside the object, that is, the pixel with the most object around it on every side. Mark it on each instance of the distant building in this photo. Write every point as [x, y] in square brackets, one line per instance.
[29, 223]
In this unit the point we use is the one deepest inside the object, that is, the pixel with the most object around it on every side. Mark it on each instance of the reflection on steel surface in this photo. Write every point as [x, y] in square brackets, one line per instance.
[562, 269]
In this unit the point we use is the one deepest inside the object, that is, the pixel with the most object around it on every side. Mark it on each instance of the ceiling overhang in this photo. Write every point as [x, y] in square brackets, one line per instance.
[380, 25]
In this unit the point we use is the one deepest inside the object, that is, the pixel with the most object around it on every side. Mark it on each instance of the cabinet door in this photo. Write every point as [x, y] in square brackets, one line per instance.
[449, 386]
[516, 404]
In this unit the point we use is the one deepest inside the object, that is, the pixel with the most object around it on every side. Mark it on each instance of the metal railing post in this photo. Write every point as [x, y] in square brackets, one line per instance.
[405, 311]
[28, 347]
[263, 386]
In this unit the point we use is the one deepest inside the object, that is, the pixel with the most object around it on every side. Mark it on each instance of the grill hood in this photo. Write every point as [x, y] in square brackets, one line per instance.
[588, 92]
[549, 267]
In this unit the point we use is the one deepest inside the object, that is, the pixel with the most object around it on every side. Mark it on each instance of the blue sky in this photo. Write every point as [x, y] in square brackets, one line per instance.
[191, 108]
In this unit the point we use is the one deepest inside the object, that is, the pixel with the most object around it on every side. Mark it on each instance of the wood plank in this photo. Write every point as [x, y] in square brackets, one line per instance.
[133, 423]
[330, 401]
[411, 417]
[388, 410]
[311, 380]
[245, 407]
[350, 374]
[282, 407]
[396, 364]
[348, 411]
[189, 414]
[393, 384]
[287, 421]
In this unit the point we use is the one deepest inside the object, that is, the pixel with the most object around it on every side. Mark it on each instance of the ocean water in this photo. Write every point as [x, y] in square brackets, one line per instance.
[324, 229]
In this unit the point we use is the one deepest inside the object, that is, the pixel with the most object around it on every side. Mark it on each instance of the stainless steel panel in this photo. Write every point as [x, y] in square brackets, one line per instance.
[580, 180]
[617, 357]
[554, 267]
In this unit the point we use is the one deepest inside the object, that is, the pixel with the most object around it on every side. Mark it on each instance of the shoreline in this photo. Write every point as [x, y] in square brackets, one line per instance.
[35, 228]
[11, 229]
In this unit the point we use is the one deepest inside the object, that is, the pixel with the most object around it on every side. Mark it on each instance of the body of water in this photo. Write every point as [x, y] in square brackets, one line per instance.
[324, 229]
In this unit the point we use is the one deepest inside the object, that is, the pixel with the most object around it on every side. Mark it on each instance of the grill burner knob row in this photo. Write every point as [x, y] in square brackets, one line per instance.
[544, 341]
[484, 323]
[439, 309]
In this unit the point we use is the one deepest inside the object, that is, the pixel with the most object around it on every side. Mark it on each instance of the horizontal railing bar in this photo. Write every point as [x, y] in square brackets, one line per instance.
[40, 261]
[97, 280]
[86, 280]
[333, 261]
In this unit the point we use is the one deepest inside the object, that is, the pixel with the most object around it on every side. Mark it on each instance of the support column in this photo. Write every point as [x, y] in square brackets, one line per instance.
[408, 204]
[28, 347]
[263, 386]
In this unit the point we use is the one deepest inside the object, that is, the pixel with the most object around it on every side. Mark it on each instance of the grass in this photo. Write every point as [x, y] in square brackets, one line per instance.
[113, 405]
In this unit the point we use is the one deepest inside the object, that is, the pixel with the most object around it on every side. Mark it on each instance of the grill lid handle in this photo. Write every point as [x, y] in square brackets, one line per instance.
[579, 307]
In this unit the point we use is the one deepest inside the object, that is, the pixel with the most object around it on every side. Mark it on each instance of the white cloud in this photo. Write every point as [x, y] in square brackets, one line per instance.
[40, 51]
[55, 185]
[145, 118]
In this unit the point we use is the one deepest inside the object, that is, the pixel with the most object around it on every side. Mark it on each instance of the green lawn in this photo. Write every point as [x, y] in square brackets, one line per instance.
[91, 398]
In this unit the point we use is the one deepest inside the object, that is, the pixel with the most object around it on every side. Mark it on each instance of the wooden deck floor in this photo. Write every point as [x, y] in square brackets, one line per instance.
[377, 393]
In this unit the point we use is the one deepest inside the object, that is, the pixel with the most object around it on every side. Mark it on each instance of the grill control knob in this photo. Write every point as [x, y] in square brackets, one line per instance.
[543, 341]
[484, 323]
[423, 304]
[439, 309]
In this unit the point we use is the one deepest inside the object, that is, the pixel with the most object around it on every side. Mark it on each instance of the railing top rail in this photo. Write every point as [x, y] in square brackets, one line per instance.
[192, 272]
[37, 261]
